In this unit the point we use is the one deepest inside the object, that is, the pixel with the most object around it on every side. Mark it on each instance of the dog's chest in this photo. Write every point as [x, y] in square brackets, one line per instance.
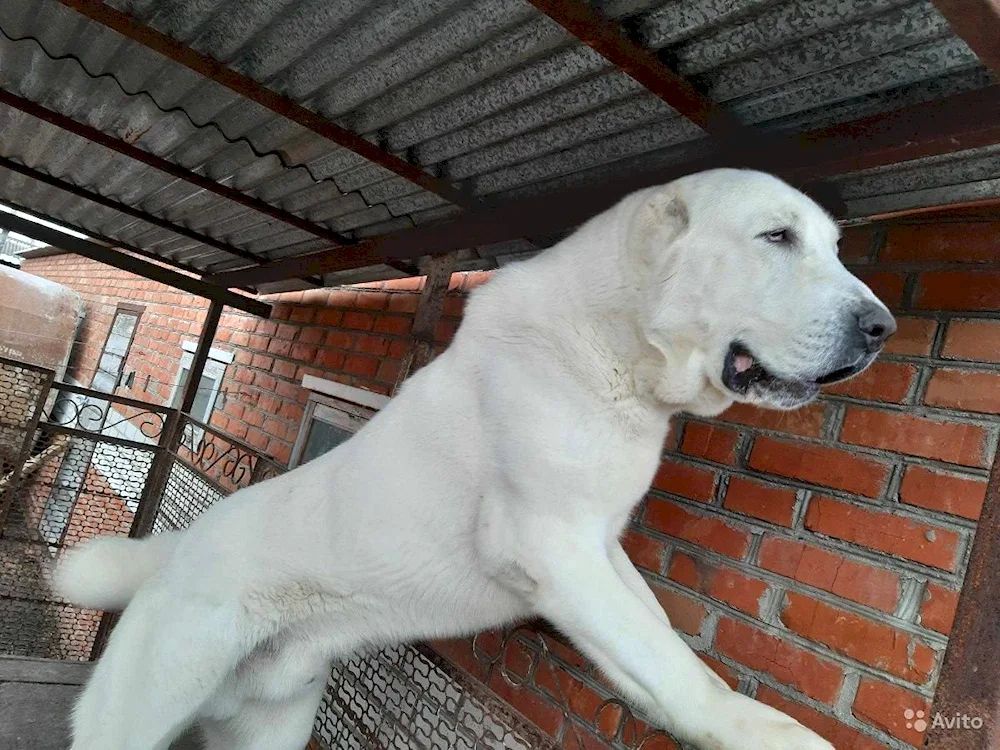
[622, 478]
[611, 470]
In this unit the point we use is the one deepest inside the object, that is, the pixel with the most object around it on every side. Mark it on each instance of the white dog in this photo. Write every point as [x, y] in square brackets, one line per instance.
[495, 486]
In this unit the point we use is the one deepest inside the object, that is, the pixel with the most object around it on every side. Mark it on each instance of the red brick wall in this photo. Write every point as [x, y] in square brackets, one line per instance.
[169, 317]
[813, 556]
[356, 335]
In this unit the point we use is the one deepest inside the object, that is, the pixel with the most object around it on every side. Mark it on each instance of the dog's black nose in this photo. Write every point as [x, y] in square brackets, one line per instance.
[876, 326]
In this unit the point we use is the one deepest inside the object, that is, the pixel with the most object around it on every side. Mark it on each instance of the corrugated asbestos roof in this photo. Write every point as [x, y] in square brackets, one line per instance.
[489, 94]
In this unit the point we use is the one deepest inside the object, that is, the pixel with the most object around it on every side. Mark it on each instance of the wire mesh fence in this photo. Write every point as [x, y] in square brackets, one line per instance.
[73, 465]
[409, 697]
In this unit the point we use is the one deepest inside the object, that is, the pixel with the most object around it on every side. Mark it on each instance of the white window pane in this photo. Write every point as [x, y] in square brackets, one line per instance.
[104, 381]
[204, 399]
[121, 333]
[323, 437]
[109, 368]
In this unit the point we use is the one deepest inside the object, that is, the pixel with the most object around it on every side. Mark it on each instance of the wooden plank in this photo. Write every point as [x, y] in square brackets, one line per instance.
[978, 23]
[130, 263]
[281, 105]
[956, 123]
[606, 37]
[48, 671]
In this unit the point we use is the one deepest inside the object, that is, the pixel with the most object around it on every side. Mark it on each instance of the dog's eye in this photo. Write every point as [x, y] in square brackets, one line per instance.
[778, 236]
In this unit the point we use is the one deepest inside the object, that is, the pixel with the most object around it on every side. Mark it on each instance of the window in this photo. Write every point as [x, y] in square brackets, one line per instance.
[208, 387]
[333, 413]
[116, 347]
[110, 365]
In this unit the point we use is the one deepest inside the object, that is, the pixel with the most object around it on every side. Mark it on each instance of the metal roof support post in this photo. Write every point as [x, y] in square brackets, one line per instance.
[425, 320]
[159, 471]
[172, 432]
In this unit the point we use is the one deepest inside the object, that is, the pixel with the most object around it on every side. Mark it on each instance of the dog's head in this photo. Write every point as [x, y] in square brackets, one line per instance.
[741, 290]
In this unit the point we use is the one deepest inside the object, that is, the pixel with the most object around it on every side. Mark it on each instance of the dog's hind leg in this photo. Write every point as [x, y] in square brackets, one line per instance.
[166, 657]
[284, 724]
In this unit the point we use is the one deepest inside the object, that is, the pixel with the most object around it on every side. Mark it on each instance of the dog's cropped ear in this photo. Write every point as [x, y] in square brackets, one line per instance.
[661, 218]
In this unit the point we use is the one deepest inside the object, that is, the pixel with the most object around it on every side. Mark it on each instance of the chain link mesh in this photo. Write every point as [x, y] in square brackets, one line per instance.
[186, 496]
[408, 698]
[67, 474]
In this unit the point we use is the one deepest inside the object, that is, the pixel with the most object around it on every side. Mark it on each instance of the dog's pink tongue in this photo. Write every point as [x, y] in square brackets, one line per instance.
[743, 362]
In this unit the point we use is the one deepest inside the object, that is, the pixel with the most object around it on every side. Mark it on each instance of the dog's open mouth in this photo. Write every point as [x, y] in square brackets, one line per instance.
[743, 373]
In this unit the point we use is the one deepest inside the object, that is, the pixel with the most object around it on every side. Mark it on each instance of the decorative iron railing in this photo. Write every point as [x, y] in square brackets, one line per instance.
[206, 466]
[84, 409]
[73, 464]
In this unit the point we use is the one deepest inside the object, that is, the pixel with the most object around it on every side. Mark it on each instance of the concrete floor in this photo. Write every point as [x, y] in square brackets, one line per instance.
[36, 696]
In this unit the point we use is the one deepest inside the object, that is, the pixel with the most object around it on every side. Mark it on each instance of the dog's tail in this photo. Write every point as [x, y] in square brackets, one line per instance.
[105, 572]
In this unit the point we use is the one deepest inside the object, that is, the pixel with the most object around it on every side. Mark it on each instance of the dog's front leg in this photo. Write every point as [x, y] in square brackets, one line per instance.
[637, 584]
[580, 591]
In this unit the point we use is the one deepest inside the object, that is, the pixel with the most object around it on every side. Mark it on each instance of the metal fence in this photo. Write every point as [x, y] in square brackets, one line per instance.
[206, 466]
[409, 697]
[73, 465]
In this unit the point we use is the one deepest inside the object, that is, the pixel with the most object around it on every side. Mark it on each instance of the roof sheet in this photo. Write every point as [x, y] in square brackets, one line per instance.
[489, 94]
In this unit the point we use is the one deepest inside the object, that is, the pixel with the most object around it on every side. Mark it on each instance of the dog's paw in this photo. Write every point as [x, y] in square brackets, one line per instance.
[745, 724]
[790, 735]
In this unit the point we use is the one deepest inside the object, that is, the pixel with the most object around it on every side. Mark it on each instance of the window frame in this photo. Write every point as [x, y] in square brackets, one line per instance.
[345, 415]
[130, 309]
[215, 367]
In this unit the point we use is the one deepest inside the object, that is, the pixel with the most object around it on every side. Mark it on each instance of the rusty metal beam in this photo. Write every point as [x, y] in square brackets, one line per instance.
[103, 238]
[101, 200]
[69, 187]
[941, 126]
[952, 124]
[978, 23]
[984, 209]
[251, 89]
[133, 152]
[609, 40]
[970, 677]
[138, 266]
[425, 319]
